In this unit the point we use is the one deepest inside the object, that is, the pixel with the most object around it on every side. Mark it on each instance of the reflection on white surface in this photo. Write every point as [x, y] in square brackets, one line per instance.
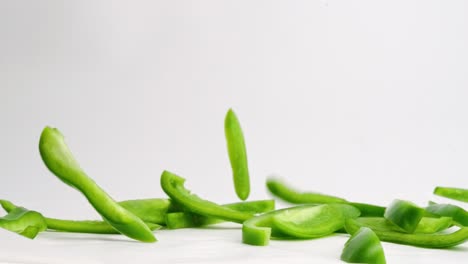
[221, 244]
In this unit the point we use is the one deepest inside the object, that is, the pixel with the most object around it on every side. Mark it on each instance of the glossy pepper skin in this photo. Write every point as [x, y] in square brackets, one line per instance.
[237, 154]
[304, 221]
[457, 213]
[363, 247]
[404, 214]
[187, 219]
[419, 240]
[452, 193]
[80, 226]
[173, 186]
[289, 194]
[24, 222]
[427, 225]
[60, 161]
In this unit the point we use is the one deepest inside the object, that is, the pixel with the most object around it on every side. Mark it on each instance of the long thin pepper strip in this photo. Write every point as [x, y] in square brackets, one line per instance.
[61, 162]
[237, 154]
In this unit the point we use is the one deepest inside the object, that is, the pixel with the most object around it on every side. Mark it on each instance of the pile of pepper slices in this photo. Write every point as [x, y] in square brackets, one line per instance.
[318, 215]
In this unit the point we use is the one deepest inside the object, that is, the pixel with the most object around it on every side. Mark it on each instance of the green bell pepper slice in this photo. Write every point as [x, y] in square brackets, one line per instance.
[237, 154]
[309, 221]
[363, 247]
[452, 193]
[404, 214]
[287, 193]
[304, 221]
[427, 225]
[24, 222]
[61, 162]
[80, 226]
[457, 213]
[173, 186]
[438, 240]
[291, 195]
[187, 219]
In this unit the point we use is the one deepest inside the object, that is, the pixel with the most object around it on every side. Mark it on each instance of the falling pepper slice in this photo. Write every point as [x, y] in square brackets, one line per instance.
[237, 154]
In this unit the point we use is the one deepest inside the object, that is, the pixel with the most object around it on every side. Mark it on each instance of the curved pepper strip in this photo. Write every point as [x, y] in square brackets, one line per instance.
[151, 210]
[187, 219]
[363, 247]
[309, 221]
[258, 230]
[419, 240]
[24, 222]
[237, 154]
[80, 226]
[294, 222]
[457, 213]
[173, 186]
[452, 193]
[427, 225]
[289, 194]
[61, 162]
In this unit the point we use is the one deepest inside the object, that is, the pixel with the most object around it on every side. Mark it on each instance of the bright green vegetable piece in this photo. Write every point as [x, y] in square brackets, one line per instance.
[87, 226]
[237, 154]
[81, 226]
[363, 247]
[258, 230]
[369, 209]
[188, 219]
[24, 222]
[289, 194]
[60, 161]
[404, 214]
[457, 213]
[438, 240]
[452, 193]
[427, 225]
[298, 222]
[309, 221]
[173, 185]
[151, 210]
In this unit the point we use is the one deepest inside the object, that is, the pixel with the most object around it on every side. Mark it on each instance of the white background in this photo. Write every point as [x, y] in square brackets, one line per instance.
[361, 99]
